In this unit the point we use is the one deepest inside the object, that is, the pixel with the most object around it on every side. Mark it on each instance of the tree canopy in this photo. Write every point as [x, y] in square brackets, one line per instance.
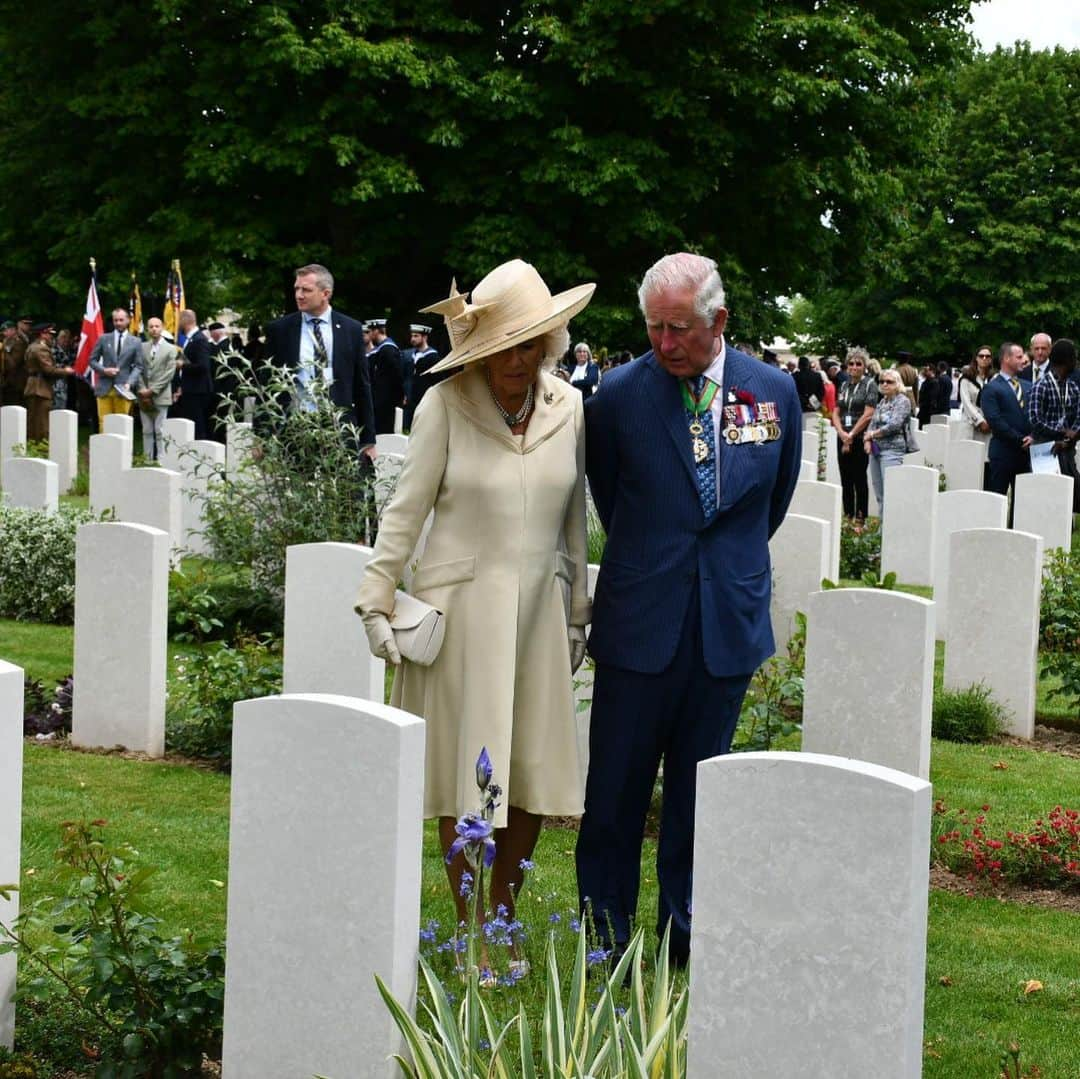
[404, 143]
[987, 243]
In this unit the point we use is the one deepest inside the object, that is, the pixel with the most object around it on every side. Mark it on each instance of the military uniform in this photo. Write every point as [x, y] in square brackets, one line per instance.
[41, 369]
[387, 387]
[14, 361]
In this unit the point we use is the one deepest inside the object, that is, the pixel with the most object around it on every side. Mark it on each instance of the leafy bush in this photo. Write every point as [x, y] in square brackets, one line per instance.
[214, 602]
[17, 1065]
[967, 715]
[305, 487]
[206, 685]
[595, 536]
[45, 715]
[37, 562]
[860, 548]
[1059, 625]
[158, 998]
[773, 704]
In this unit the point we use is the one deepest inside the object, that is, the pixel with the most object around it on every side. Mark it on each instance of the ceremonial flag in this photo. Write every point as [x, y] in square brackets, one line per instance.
[92, 326]
[135, 306]
[174, 302]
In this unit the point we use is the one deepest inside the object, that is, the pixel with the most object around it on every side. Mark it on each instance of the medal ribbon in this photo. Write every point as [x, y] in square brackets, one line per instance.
[698, 405]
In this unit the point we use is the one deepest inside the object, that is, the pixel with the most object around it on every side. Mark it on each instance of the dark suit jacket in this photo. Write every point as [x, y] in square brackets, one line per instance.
[1008, 420]
[351, 388]
[660, 547]
[387, 384]
[592, 378]
[195, 378]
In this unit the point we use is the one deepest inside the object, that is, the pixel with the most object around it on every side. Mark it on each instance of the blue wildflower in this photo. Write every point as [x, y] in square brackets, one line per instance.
[466, 885]
[526, 865]
[597, 955]
[575, 925]
[555, 917]
[473, 833]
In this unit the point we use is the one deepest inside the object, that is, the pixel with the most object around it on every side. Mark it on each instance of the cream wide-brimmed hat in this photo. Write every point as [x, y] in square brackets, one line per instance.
[511, 305]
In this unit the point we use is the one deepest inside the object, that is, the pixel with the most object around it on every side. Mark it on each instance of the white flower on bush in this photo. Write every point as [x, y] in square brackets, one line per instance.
[37, 562]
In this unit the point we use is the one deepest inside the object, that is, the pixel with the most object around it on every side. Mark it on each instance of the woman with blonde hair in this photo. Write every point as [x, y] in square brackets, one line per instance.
[497, 453]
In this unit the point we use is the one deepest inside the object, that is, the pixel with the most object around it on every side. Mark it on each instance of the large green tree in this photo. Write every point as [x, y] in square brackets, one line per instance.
[401, 143]
[987, 246]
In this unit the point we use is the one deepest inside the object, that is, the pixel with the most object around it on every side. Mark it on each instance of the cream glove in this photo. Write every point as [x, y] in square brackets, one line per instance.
[380, 636]
[576, 635]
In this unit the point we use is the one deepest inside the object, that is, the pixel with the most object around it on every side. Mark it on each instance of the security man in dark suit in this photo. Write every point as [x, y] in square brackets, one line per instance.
[422, 358]
[317, 342]
[193, 383]
[1004, 403]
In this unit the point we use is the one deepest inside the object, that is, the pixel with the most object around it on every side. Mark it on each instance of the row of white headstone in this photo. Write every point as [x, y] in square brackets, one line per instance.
[809, 920]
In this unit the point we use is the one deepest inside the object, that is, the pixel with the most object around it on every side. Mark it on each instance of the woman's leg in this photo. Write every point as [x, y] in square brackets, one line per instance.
[847, 482]
[877, 479]
[454, 869]
[513, 844]
[859, 479]
[885, 461]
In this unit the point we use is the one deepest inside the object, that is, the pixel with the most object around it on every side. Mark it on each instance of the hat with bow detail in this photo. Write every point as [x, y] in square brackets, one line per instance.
[508, 307]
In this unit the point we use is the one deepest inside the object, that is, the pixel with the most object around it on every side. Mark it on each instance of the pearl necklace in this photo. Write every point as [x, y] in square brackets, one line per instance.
[512, 419]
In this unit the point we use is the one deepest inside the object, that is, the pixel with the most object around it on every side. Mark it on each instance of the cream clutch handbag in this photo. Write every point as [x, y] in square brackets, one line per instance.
[418, 629]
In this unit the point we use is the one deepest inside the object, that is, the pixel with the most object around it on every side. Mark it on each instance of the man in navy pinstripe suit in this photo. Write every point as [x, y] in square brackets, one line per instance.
[692, 456]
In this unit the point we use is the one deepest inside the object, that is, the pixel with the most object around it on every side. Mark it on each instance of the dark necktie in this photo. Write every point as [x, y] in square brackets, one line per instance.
[320, 344]
[119, 342]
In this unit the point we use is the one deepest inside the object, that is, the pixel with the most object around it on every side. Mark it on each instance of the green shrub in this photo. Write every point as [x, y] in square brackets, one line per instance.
[211, 602]
[155, 1002]
[1059, 625]
[967, 715]
[595, 536]
[206, 685]
[17, 1065]
[37, 563]
[860, 548]
[772, 707]
[305, 487]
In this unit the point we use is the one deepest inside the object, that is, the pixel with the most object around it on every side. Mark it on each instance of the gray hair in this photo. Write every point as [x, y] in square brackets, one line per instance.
[588, 351]
[323, 277]
[857, 352]
[554, 344]
[684, 270]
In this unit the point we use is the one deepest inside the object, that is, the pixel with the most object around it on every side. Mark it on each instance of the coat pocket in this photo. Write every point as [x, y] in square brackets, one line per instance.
[444, 573]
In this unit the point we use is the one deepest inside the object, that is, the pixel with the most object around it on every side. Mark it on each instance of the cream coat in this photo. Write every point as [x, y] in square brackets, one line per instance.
[506, 561]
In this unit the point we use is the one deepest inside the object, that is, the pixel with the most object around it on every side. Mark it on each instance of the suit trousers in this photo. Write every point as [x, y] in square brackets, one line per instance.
[153, 424]
[1002, 471]
[682, 715]
[111, 403]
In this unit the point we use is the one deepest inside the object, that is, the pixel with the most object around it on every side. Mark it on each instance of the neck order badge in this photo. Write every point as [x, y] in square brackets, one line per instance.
[698, 401]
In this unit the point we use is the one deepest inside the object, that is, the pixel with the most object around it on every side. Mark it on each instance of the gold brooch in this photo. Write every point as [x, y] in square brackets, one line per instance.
[548, 398]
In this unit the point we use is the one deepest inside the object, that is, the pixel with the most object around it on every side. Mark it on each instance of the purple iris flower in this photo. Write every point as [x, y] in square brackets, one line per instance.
[484, 771]
[473, 833]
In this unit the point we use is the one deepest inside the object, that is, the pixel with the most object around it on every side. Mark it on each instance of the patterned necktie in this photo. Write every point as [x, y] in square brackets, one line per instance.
[1015, 383]
[706, 467]
[320, 344]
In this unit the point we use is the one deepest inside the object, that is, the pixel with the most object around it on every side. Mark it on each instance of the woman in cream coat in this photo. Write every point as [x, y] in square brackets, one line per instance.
[498, 452]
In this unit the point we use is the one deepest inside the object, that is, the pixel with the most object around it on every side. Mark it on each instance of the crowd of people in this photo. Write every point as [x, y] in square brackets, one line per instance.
[1024, 404]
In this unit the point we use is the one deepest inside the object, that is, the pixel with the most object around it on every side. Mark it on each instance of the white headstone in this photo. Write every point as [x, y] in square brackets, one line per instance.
[151, 496]
[12, 433]
[31, 483]
[397, 443]
[807, 471]
[934, 443]
[121, 610]
[238, 444]
[966, 459]
[325, 648]
[956, 510]
[118, 423]
[64, 446]
[907, 534]
[110, 457]
[832, 458]
[176, 434]
[387, 469]
[958, 428]
[810, 427]
[11, 756]
[1042, 505]
[399, 421]
[993, 637]
[249, 410]
[869, 683]
[201, 466]
[824, 500]
[800, 553]
[809, 931]
[332, 789]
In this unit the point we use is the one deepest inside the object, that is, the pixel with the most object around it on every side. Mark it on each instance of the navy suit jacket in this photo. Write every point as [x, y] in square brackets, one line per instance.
[1008, 420]
[660, 547]
[351, 388]
[196, 378]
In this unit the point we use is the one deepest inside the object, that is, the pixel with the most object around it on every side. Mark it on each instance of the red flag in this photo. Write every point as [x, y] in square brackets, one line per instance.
[92, 328]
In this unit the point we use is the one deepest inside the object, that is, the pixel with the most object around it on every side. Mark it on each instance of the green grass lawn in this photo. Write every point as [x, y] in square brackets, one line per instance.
[985, 950]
